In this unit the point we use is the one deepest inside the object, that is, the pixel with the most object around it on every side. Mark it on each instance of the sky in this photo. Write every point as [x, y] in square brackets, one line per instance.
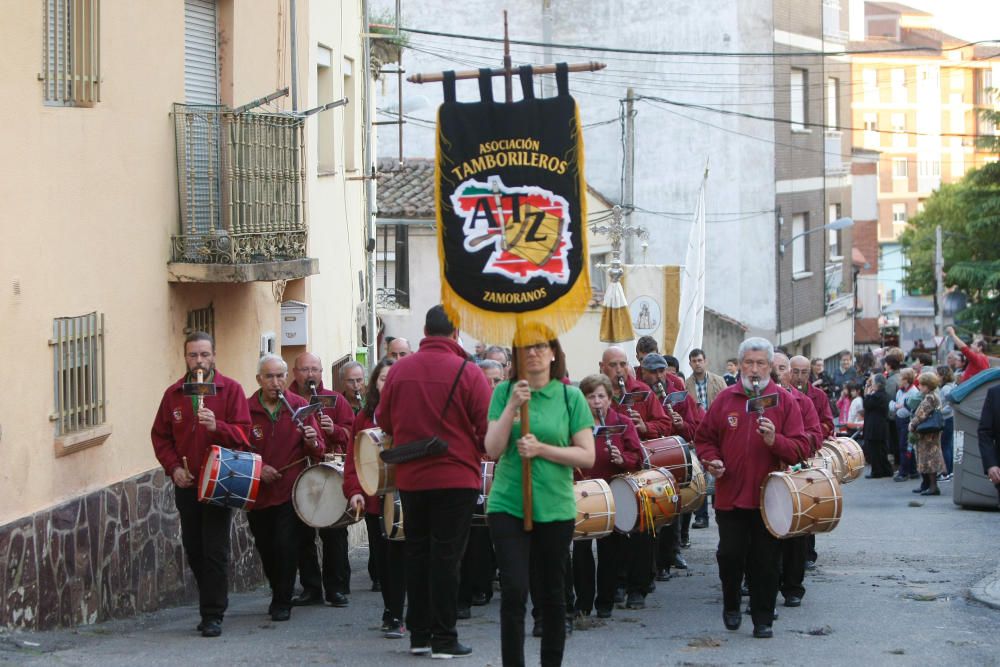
[972, 20]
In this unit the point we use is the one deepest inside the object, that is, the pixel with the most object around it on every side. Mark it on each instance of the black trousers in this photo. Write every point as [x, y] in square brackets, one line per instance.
[437, 528]
[205, 536]
[878, 456]
[745, 542]
[478, 567]
[390, 561]
[609, 555]
[373, 526]
[531, 560]
[538, 594]
[275, 534]
[668, 543]
[640, 561]
[335, 576]
[794, 552]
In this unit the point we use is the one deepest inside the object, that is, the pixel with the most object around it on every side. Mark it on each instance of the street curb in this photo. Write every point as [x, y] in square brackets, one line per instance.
[987, 590]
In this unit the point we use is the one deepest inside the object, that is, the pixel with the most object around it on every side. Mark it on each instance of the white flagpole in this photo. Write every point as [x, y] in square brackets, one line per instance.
[691, 313]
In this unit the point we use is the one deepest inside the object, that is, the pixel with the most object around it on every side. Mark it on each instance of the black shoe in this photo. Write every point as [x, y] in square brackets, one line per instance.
[282, 614]
[763, 631]
[395, 630]
[928, 492]
[536, 629]
[453, 650]
[479, 599]
[679, 562]
[919, 489]
[732, 619]
[463, 613]
[663, 575]
[793, 601]
[603, 613]
[900, 478]
[307, 598]
[700, 522]
[376, 586]
[635, 601]
[810, 565]
[338, 600]
[619, 595]
[211, 627]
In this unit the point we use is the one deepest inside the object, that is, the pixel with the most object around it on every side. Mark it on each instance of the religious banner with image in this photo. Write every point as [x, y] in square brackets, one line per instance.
[511, 206]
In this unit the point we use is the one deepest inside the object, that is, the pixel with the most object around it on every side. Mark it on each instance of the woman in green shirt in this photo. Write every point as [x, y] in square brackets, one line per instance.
[560, 440]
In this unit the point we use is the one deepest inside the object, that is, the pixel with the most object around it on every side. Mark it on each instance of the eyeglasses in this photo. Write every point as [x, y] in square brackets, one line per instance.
[537, 348]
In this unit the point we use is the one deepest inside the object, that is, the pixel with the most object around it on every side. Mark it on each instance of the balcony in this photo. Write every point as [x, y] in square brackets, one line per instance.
[834, 151]
[241, 188]
[838, 295]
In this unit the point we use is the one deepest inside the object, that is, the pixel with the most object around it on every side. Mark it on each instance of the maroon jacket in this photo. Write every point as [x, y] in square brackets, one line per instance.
[627, 443]
[177, 434]
[352, 485]
[729, 433]
[658, 424]
[810, 422]
[410, 408]
[341, 414]
[280, 442]
[823, 411]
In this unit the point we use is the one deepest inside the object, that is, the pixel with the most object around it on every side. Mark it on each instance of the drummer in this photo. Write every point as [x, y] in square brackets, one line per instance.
[614, 455]
[388, 555]
[335, 425]
[283, 445]
[181, 436]
[740, 449]
[647, 415]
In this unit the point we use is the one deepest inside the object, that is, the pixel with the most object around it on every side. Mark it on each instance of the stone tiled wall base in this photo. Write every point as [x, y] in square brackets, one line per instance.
[112, 553]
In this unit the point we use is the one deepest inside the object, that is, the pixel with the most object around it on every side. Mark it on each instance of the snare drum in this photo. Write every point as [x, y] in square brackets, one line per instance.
[851, 456]
[644, 498]
[800, 503]
[318, 496]
[392, 518]
[672, 453]
[693, 493]
[375, 475]
[595, 509]
[230, 478]
[479, 515]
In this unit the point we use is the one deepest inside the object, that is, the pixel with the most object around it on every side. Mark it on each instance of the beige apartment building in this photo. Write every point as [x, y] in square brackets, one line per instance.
[141, 202]
[919, 109]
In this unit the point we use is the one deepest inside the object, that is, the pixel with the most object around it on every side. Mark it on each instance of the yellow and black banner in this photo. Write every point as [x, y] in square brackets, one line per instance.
[511, 208]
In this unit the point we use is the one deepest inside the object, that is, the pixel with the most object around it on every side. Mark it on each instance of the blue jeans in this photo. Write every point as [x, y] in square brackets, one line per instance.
[948, 443]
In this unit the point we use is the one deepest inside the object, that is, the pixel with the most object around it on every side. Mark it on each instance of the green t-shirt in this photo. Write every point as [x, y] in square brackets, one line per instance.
[552, 483]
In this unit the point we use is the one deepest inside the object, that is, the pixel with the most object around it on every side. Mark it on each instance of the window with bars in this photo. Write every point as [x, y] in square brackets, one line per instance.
[78, 373]
[201, 319]
[71, 68]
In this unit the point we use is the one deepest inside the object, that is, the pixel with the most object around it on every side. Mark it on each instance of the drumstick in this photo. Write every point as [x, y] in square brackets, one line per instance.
[186, 469]
[357, 513]
[295, 462]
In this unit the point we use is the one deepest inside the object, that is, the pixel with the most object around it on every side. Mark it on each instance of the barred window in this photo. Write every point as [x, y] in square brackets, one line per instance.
[201, 319]
[71, 53]
[78, 373]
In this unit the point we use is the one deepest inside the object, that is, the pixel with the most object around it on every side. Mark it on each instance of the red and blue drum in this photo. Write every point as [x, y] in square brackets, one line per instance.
[672, 453]
[230, 478]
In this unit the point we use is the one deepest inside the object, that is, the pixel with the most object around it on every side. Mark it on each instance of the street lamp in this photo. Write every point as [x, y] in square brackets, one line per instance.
[838, 224]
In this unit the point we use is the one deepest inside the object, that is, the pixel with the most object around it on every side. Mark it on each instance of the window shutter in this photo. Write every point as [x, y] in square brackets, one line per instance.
[201, 73]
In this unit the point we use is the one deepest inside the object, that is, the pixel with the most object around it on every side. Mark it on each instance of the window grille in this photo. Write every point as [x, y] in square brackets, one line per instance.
[71, 68]
[201, 319]
[78, 372]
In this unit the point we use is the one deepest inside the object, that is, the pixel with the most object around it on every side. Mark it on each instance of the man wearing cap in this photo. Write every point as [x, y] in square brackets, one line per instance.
[647, 415]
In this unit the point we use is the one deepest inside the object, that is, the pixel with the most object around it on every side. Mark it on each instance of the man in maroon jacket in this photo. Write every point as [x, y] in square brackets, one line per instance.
[438, 493]
[740, 449]
[181, 437]
[282, 444]
[336, 424]
[647, 415]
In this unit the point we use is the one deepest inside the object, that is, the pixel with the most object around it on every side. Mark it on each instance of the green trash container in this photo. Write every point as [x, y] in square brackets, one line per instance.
[970, 486]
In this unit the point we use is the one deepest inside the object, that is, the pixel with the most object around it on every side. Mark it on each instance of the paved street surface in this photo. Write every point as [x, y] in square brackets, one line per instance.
[892, 587]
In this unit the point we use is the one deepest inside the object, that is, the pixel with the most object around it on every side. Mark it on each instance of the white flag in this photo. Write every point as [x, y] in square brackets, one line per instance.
[691, 313]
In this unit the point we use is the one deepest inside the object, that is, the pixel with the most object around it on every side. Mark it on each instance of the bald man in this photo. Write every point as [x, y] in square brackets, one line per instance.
[799, 368]
[647, 416]
[398, 348]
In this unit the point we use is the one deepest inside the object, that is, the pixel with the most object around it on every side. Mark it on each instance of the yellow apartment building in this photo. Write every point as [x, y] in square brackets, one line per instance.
[153, 186]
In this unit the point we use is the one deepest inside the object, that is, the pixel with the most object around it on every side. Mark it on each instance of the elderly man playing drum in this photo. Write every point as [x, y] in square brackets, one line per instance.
[740, 446]
[284, 444]
[182, 432]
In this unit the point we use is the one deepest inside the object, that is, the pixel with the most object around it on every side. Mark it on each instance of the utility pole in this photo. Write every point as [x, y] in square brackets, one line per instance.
[628, 186]
[368, 160]
[939, 283]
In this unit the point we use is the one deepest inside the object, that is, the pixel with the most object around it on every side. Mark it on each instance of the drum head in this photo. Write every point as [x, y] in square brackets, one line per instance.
[626, 507]
[318, 495]
[778, 506]
[366, 460]
[209, 472]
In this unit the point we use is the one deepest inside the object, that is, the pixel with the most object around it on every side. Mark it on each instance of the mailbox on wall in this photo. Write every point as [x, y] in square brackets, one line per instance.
[294, 323]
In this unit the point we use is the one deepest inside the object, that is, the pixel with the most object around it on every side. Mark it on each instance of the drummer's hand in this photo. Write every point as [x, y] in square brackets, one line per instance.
[716, 468]
[206, 418]
[528, 446]
[182, 478]
[269, 475]
[309, 434]
[994, 474]
[640, 425]
[766, 429]
[357, 502]
[616, 455]
[676, 419]
[520, 395]
[326, 423]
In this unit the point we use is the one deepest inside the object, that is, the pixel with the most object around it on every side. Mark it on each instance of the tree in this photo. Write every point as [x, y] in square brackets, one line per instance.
[969, 215]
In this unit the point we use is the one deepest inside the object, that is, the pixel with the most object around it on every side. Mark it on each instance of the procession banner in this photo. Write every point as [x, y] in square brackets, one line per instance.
[511, 210]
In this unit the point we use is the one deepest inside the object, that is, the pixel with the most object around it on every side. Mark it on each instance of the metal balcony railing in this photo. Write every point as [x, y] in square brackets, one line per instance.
[833, 149]
[241, 186]
[837, 294]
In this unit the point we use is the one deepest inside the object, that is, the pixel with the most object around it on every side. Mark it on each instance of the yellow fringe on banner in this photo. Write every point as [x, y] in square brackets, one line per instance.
[559, 317]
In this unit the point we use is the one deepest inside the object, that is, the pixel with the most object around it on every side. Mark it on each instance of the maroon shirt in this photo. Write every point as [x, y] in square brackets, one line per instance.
[410, 408]
[352, 485]
[280, 442]
[810, 422]
[823, 411]
[341, 414]
[658, 424]
[627, 443]
[729, 433]
[176, 432]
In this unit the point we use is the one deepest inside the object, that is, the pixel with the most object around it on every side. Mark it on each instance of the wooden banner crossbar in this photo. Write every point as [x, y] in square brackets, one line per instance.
[432, 77]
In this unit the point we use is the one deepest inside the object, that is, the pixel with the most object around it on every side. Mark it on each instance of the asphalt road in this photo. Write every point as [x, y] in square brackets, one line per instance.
[892, 585]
